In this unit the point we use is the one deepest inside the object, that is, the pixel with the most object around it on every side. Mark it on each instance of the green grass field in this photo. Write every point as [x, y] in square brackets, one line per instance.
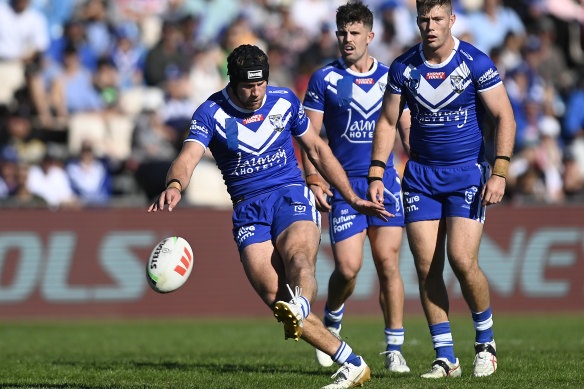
[535, 351]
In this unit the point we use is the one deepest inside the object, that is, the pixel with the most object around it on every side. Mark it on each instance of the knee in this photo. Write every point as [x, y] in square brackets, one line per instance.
[302, 261]
[347, 271]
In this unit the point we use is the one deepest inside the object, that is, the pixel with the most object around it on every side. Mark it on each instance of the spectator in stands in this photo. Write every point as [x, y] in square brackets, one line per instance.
[153, 148]
[28, 147]
[49, 180]
[128, 55]
[166, 52]
[78, 90]
[97, 26]
[573, 178]
[8, 163]
[177, 109]
[23, 32]
[22, 196]
[74, 35]
[491, 25]
[89, 177]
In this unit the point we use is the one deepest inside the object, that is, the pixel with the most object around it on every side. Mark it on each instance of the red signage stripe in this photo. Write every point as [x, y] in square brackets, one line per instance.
[180, 270]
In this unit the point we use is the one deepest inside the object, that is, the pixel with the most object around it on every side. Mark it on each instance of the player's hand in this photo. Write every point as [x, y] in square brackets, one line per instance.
[370, 208]
[320, 192]
[493, 190]
[375, 191]
[171, 196]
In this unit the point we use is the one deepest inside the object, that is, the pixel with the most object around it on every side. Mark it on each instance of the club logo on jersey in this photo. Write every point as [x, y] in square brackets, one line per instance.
[382, 86]
[413, 83]
[470, 194]
[435, 76]
[457, 83]
[276, 122]
[364, 81]
[252, 119]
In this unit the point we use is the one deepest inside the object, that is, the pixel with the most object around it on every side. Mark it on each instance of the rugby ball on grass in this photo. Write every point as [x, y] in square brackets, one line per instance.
[169, 264]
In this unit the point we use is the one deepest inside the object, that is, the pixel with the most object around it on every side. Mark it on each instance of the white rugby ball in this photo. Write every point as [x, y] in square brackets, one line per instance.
[169, 265]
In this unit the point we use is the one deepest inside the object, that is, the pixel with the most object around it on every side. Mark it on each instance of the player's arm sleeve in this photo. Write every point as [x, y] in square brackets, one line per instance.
[315, 93]
[202, 128]
[395, 78]
[484, 73]
[299, 122]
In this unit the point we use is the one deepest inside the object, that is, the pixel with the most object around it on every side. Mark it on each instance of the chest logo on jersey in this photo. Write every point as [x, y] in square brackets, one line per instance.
[413, 83]
[276, 122]
[457, 83]
[364, 81]
[435, 76]
[253, 119]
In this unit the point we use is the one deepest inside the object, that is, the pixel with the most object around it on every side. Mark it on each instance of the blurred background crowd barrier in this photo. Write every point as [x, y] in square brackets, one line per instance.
[96, 95]
[91, 263]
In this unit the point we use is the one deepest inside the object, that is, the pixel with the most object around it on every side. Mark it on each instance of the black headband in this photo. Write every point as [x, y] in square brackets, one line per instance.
[250, 74]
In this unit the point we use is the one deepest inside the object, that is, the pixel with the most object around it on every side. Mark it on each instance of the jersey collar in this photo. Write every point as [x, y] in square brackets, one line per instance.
[354, 73]
[237, 107]
[430, 65]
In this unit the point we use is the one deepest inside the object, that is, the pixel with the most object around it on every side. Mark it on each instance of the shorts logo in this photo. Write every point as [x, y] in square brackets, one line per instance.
[300, 209]
[342, 223]
[410, 202]
[244, 233]
[469, 194]
[253, 74]
[252, 119]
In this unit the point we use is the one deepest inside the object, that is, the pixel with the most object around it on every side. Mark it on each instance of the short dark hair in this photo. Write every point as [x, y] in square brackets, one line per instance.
[424, 6]
[354, 12]
[247, 63]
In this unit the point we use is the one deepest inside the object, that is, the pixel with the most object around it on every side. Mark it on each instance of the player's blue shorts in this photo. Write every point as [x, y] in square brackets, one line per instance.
[264, 217]
[345, 222]
[435, 192]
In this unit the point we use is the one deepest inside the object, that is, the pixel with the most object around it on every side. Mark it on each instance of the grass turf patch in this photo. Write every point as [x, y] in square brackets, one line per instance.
[535, 351]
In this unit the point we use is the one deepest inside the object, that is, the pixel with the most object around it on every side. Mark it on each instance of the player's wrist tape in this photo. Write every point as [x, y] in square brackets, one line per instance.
[376, 171]
[378, 163]
[174, 183]
[504, 157]
[501, 167]
[370, 179]
[312, 179]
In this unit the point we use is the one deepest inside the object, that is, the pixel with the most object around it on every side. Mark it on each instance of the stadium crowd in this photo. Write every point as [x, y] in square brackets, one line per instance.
[96, 95]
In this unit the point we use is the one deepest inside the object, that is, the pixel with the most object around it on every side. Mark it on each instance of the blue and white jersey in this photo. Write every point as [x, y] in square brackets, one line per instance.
[351, 103]
[253, 149]
[447, 114]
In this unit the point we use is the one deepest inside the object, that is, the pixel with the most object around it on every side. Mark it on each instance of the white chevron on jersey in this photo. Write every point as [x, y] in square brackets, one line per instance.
[435, 99]
[259, 141]
[366, 103]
